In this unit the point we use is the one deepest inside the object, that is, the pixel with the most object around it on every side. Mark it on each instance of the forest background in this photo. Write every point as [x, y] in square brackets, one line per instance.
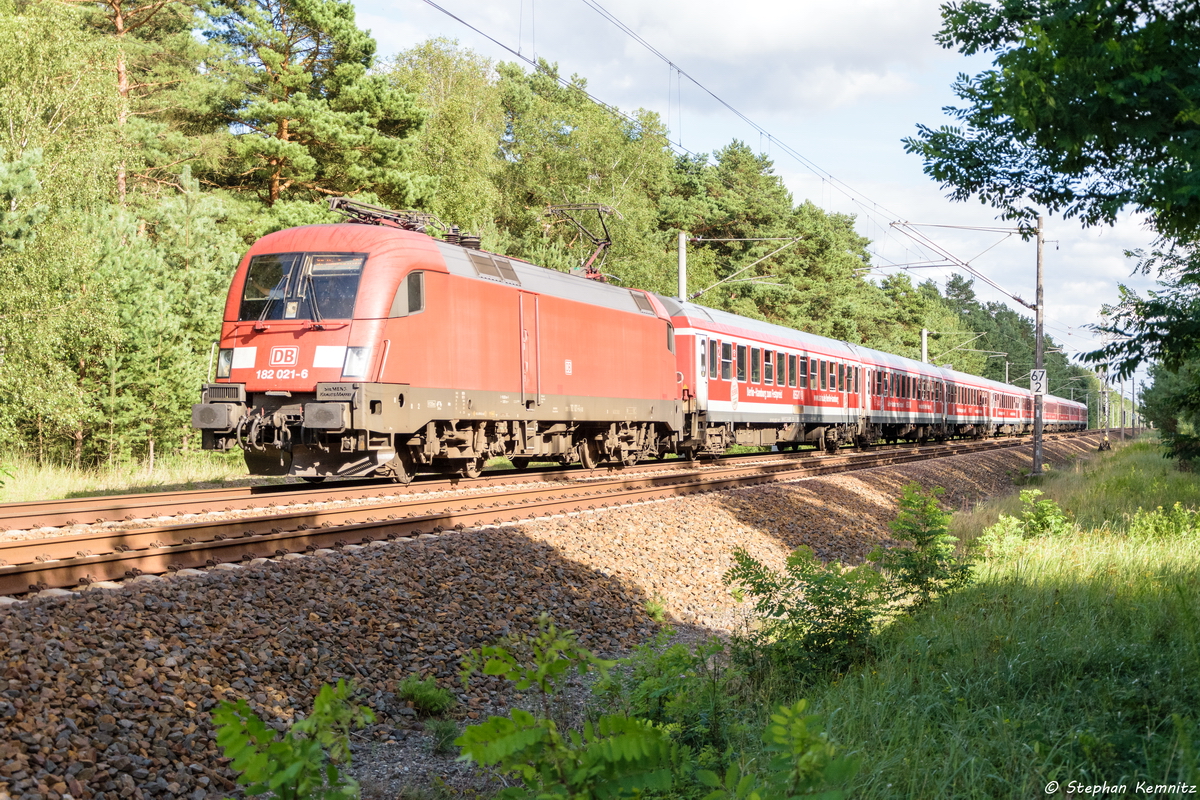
[147, 143]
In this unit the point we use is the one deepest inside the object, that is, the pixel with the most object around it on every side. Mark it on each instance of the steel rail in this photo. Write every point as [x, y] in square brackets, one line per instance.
[69, 561]
[151, 505]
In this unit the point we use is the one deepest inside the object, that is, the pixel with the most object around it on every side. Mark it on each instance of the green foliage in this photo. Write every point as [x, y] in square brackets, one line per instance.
[457, 145]
[1038, 518]
[1043, 517]
[811, 617]
[1001, 330]
[539, 661]
[1003, 539]
[687, 691]
[308, 119]
[303, 763]
[425, 695]
[928, 566]
[1114, 126]
[1162, 523]
[656, 609]
[442, 733]
[615, 756]
[18, 180]
[802, 763]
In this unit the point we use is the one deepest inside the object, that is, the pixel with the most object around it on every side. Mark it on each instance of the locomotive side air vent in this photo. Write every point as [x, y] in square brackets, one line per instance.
[642, 303]
[494, 267]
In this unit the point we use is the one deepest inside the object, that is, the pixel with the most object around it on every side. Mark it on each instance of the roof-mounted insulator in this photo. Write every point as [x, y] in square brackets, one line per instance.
[471, 241]
[452, 235]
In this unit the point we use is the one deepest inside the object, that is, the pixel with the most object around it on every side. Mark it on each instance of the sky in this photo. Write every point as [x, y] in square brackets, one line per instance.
[838, 84]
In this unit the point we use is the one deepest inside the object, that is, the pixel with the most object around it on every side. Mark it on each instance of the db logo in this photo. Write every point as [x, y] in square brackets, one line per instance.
[285, 356]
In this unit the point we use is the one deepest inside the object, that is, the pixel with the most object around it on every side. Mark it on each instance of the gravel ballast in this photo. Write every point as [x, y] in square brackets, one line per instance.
[107, 695]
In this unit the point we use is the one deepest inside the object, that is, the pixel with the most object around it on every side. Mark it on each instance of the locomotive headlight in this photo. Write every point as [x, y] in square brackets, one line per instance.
[357, 361]
[224, 362]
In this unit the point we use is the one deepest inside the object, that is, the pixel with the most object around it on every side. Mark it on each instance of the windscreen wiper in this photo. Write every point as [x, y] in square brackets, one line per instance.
[316, 308]
[267, 306]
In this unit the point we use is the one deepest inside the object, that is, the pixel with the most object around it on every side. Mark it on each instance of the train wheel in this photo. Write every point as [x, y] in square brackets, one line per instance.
[520, 463]
[471, 468]
[313, 478]
[399, 469]
[629, 458]
[589, 454]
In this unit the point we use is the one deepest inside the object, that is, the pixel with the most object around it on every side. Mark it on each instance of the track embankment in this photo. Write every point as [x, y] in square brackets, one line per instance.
[107, 695]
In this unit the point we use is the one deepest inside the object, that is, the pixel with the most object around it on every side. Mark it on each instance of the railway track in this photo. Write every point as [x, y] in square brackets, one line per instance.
[156, 505]
[75, 560]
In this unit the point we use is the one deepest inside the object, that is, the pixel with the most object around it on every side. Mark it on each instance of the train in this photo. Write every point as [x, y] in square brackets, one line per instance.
[370, 347]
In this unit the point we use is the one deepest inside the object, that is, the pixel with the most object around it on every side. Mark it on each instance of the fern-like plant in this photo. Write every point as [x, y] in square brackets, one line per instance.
[615, 757]
[803, 763]
[303, 763]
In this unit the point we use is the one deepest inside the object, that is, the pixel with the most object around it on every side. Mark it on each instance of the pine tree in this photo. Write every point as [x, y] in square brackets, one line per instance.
[308, 120]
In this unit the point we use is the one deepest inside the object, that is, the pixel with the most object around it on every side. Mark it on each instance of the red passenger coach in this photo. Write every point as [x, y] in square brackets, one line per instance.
[353, 349]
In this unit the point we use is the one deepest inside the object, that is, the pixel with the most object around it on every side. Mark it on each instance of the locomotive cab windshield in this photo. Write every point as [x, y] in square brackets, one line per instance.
[312, 286]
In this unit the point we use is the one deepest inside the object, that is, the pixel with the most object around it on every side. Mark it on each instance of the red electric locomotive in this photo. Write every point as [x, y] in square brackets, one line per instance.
[374, 349]
[354, 349]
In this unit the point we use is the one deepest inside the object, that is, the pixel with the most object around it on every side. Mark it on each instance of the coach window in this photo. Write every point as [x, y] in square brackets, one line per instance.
[820, 367]
[671, 337]
[802, 372]
[726, 360]
[714, 357]
[755, 364]
[768, 367]
[842, 377]
[703, 361]
[741, 363]
[833, 376]
[791, 375]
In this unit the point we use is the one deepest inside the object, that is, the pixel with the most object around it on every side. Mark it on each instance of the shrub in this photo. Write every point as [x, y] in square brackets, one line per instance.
[670, 685]
[302, 764]
[427, 699]
[803, 763]
[616, 756]
[813, 616]
[1161, 523]
[930, 566]
[1003, 539]
[1043, 517]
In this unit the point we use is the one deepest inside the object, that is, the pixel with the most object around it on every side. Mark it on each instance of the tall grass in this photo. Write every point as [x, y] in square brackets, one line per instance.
[1074, 659]
[33, 481]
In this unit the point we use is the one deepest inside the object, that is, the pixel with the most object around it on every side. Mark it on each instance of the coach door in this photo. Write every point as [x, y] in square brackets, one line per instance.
[702, 373]
[531, 371]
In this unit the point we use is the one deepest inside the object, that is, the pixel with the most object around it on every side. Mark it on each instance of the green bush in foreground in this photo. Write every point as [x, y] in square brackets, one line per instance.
[624, 756]
[302, 764]
[811, 618]
[929, 566]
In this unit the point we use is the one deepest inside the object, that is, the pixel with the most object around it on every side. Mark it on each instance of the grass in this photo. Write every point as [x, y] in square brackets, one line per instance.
[33, 481]
[1077, 658]
[427, 697]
